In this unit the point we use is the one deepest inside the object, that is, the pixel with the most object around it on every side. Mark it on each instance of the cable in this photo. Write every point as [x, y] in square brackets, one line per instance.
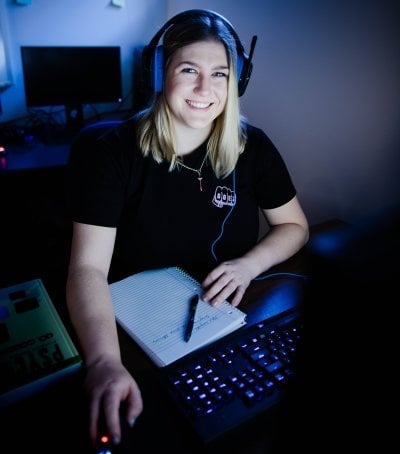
[280, 274]
[226, 218]
[261, 277]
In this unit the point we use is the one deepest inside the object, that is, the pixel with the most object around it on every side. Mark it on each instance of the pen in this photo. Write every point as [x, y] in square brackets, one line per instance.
[189, 327]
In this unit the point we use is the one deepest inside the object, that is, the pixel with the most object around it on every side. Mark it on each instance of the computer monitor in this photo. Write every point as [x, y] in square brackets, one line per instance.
[71, 76]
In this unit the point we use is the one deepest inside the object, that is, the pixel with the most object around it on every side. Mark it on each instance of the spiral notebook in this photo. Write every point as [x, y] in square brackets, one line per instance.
[153, 308]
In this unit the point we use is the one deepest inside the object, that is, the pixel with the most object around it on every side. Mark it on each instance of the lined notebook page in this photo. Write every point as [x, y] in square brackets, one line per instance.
[153, 307]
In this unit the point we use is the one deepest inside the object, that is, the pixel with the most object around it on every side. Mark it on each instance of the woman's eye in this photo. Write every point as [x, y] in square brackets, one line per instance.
[220, 74]
[189, 70]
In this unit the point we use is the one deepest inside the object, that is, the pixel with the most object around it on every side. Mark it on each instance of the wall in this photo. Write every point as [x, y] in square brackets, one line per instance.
[325, 85]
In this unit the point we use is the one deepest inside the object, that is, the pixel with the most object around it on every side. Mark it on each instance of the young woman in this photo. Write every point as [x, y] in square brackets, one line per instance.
[180, 184]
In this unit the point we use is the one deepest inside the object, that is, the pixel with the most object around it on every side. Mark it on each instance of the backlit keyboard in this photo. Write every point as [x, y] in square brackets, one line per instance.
[236, 378]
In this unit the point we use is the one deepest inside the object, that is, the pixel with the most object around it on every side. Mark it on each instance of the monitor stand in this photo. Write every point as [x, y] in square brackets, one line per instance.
[65, 133]
[74, 117]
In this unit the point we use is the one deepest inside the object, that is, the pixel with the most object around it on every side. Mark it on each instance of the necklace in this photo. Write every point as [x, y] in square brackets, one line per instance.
[198, 171]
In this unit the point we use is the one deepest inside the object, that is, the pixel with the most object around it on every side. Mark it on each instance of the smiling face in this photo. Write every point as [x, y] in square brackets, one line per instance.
[196, 85]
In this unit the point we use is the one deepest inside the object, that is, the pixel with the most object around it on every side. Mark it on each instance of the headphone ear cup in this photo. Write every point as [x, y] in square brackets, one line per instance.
[157, 69]
[244, 76]
[239, 64]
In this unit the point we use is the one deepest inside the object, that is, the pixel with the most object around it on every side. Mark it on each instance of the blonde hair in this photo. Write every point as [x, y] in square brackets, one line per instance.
[228, 135]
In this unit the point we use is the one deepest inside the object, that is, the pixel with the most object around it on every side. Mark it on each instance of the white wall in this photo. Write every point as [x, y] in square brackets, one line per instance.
[325, 85]
[326, 88]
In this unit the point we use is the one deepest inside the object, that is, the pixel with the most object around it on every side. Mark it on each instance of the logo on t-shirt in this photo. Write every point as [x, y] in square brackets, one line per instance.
[224, 196]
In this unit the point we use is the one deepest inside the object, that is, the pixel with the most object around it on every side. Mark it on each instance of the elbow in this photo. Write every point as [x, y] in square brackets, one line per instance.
[306, 233]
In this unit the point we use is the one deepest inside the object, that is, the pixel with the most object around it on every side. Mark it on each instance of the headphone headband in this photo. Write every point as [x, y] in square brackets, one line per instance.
[153, 53]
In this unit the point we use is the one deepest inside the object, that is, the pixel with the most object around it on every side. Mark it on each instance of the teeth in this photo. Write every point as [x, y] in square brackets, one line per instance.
[198, 105]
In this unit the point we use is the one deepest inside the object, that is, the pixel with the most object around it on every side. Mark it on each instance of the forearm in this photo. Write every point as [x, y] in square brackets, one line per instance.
[280, 243]
[92, 315]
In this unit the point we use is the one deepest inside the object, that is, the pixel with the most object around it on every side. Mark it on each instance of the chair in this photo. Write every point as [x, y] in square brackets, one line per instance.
[95, 130]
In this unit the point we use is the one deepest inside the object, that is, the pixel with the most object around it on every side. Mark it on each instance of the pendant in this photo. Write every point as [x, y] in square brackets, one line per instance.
[200, 185]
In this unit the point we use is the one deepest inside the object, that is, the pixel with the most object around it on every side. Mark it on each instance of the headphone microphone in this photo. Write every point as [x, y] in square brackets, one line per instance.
[153, 53]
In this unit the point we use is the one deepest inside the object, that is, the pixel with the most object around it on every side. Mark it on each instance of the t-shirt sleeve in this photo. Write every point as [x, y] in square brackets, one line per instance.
[95, 180]
[274, 186]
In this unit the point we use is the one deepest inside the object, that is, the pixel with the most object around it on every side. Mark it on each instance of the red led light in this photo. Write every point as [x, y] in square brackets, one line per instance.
[104, 439]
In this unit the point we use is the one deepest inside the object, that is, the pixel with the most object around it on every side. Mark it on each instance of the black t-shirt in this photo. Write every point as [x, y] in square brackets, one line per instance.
[162, 217]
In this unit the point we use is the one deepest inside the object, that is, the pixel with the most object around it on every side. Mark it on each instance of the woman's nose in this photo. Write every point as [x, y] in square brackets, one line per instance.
[203, 84]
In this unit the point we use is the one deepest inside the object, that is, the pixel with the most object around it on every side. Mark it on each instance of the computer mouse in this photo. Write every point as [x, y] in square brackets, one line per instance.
[104, 444]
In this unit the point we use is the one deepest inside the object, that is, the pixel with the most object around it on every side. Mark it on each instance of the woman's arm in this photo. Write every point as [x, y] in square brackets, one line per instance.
[288, 233]
[89, 303]
[88, 297]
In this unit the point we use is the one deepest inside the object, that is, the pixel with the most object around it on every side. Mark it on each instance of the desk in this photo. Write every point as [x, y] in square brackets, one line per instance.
[55, 421]
[36, 155]
[32, 204]
[34, 227]
[57, 417]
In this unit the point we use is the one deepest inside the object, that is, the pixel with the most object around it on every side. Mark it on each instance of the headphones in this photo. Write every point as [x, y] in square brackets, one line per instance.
[153, 53]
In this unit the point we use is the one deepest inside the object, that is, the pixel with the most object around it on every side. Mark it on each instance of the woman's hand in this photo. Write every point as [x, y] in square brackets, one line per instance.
[229, 278]
[288, 232]
[108, 384]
